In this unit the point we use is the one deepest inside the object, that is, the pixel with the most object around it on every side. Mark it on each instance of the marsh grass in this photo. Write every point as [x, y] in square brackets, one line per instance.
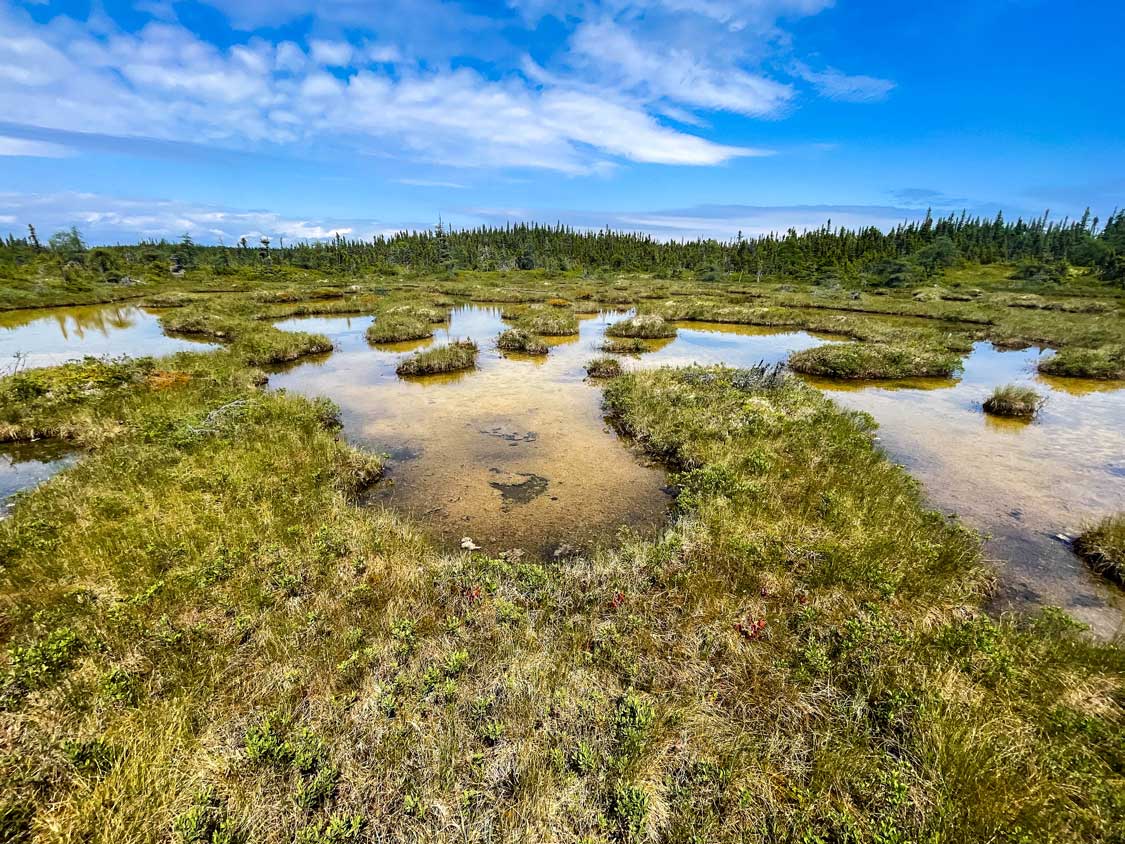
[255, 342]
[1103, 547]
[451, 357]
[549, 321]
[645, 326]
[397, 328]
[207, 639]
[868, 361]
[1015, 401]
[624, 346]
[603, 367]
[518, 340]
[1105, 363]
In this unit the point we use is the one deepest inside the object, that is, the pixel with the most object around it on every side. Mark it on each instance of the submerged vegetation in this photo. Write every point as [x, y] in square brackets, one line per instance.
[206, 639]
[1103, 547]
[451, 357]
[865, 361]
[1013, 400]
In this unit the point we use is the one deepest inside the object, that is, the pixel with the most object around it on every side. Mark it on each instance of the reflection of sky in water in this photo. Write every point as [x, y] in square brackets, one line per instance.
[51, 337]
[22, 466]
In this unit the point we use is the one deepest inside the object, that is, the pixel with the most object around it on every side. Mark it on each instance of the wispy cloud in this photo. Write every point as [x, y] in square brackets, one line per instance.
[837, 85]
[31, 148]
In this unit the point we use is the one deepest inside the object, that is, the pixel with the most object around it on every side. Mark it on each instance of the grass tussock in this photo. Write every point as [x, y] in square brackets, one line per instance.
[398, 328]
[258, 343]
[624, 346]
[1014, 401]
[603, 367]
[549, 321]
[518, 340]
[458, 355]
[864, 361]
[1103, 547]
[1104, 363]
[645, 326]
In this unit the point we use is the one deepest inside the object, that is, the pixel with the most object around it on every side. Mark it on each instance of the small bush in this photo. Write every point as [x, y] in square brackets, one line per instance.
[1103, 547]
[1014, 401]
[518, 340]
[604, 367]
[461, 354]
[645, 327]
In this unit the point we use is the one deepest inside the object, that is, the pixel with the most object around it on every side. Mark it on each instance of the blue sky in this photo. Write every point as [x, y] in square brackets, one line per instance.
[298, 119]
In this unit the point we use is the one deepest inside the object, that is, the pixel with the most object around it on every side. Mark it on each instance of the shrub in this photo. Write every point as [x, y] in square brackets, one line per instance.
[461, 354]
[1013, 400]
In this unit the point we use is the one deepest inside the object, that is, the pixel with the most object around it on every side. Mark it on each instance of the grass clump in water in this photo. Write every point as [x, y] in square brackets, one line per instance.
[550, 322]
[603, 367]
[452, 357]
[866, 361]
[624, 346]
[1105, 363]
[1014, 401]
[1103, 547]
[518, 340]
[398, 328]
[645, 326]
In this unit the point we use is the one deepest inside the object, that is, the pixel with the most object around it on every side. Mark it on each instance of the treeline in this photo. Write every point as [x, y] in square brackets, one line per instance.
[910, 251]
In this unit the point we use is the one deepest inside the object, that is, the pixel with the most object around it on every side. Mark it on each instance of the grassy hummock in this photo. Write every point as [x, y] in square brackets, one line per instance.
[518, 340]
[256, 342]
[1103, 547]
[645, 327]
[603, 367]
[868, 361]
[1104, 363]
[624, 346]
[1014, 401]
[549, 321]
[398, 328]
[460, 354]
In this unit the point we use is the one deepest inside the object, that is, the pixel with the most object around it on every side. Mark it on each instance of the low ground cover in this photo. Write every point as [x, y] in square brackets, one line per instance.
[450, 357]
[866, 361]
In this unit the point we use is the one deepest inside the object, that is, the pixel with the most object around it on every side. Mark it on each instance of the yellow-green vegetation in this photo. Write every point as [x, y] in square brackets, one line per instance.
[450, 357]
[1103, 547]
[1013, 400]
[864, 361]
[398, 327]
[1105, 362]
[644, 326]
[518, 340]
[255, 342]
[206, 639]
[624, 346]
[549, 321]
[603, 367]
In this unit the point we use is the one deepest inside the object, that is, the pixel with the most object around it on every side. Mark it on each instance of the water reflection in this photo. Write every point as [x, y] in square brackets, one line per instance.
[24, 465]
[48, 337]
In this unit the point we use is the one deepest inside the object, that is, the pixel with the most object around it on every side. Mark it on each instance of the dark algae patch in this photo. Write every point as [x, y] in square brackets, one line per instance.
[519, 487]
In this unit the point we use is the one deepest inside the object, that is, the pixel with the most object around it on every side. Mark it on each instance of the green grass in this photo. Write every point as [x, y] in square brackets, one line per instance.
[451, 357]
[864, 361]
[208, 638]
[549, 321]
[1103, 547]
[518, 340]
[255, 342]
[645, 326]
[624, 346]
[397, 328]
[1105, 363]
[603, 367]
[1014, 401]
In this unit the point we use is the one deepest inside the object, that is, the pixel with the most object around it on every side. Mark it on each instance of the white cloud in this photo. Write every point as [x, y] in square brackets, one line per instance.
[107, 219]
[676, 73]
[164, 83]
[32, 148]
[837, 85]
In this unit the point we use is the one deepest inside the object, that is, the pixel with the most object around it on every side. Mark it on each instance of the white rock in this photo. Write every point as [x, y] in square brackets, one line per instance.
[468, 544]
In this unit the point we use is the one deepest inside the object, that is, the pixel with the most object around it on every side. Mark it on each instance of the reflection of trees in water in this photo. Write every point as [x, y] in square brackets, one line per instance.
[101, 320]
